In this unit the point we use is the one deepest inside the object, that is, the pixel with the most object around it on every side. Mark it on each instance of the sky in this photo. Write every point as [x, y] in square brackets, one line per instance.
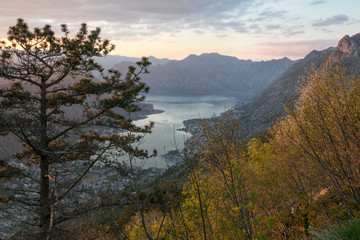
[247, 29]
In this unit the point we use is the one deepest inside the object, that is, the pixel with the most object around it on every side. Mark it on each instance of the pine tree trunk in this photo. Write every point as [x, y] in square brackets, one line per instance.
[44, 198]
[44, 211]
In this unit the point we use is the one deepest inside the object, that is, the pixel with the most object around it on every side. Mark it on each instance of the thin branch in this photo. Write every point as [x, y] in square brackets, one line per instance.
[71, 186]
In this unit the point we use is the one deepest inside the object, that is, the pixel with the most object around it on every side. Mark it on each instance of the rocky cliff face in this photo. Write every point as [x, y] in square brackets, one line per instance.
[262, 111]
[350, 46]
[212, 74]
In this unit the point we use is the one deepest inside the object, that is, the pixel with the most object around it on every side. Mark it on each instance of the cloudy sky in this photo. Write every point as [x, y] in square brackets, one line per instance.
[247, 29]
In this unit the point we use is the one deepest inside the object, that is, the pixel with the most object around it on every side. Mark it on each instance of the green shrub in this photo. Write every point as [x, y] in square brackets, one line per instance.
[348, 231]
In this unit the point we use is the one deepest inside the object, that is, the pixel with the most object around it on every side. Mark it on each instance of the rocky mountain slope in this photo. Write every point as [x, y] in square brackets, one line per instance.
[211, 74]
[260, 112]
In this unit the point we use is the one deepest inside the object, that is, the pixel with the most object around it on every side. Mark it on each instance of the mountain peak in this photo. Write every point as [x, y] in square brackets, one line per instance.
[350, 45]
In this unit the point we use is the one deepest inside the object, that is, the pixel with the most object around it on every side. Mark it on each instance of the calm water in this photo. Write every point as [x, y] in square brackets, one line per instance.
[165, 136]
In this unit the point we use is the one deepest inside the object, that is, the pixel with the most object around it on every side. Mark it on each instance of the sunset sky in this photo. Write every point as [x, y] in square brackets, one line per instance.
[246, 29]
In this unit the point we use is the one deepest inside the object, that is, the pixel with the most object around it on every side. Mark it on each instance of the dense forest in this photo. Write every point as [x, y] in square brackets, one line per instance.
[298, 179]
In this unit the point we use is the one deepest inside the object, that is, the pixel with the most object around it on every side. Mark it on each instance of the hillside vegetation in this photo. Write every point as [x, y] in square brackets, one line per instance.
[302, 174]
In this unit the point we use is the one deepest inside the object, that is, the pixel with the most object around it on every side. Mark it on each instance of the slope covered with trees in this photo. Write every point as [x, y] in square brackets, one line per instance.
[302, 175]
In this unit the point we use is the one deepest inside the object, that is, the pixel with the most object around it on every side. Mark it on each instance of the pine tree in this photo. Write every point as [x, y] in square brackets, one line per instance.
[66, 119]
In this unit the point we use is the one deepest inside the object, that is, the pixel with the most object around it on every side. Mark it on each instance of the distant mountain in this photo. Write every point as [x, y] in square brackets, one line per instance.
[262, 111]
[110, 60]
[211, 73]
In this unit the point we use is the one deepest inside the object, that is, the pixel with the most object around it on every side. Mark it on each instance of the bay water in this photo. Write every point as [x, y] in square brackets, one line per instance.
[166, 135]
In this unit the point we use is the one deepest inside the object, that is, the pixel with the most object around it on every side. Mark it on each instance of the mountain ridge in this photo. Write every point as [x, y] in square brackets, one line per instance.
[211, 73]
[260, 112]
